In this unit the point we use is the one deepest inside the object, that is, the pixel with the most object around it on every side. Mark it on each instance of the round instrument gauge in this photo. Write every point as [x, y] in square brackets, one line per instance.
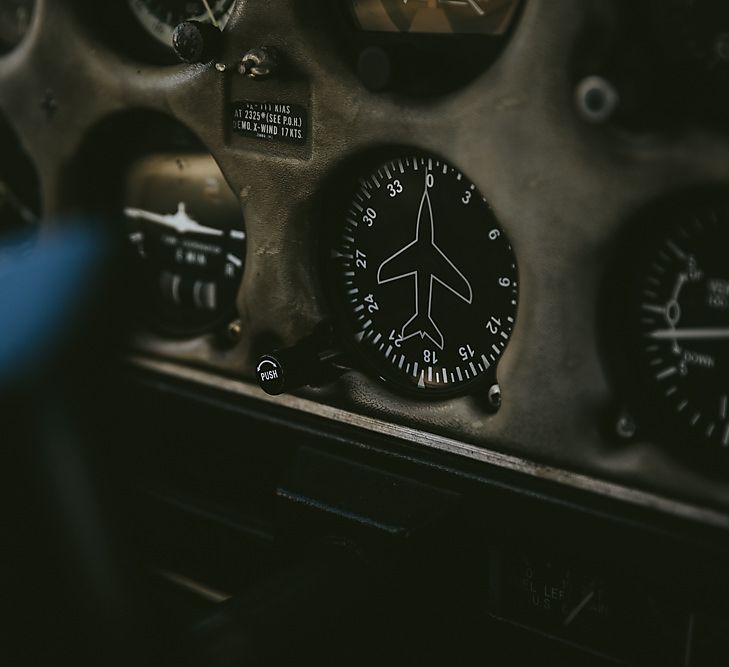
[423, 276]
[186, 229]
[15, 16]
[678, 321]
[697, 30]
[20, 197]
[419, 47]
[694, 38]
[485, 17]
[160, 17]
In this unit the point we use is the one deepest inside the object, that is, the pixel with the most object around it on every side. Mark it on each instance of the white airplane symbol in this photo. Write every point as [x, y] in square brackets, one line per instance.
[426, 263]
[180, 221]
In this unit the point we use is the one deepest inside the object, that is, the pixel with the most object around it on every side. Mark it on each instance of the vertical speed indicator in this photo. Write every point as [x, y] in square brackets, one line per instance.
[683, 315]
[671, 308]
[423, 276]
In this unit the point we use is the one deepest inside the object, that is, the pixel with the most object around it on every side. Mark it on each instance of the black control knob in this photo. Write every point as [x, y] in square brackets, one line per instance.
[196, 42]
[313, 361]
[283, 370]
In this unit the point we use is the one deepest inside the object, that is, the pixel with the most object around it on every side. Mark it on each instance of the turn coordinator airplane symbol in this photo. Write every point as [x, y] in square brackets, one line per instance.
[426, 263]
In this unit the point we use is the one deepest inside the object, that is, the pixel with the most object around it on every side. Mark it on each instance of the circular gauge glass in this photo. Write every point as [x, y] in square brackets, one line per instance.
[20, 198]
[160, 17]
[697, 30]
[693, 36]
[421, 47]
[423, 276]
[483, 17]
[679, 321]
[186, 229]
[15, 17]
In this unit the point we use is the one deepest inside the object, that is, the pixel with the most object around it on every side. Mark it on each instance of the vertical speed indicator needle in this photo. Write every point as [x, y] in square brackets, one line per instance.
[677, 362]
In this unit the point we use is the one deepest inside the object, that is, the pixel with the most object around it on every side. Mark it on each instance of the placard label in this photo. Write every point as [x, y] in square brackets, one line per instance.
[273, 121]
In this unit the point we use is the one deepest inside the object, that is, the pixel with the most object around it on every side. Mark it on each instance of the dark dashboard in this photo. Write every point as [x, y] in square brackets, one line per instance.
[416, 316]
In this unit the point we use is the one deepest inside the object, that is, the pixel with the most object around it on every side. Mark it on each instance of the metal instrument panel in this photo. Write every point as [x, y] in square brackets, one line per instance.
[561, 189]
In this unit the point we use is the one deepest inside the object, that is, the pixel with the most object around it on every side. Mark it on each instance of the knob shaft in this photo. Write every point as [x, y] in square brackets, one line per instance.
[312, 361]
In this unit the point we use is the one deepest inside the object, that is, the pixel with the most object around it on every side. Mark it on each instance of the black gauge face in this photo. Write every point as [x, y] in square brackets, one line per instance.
[20, 199]
[572, 600]
[186, 230]
[484, 17]
[161, 17]
[700, 30]
[424, 276]
[15, 16]
[694, 39]
[18, 222]
[419, 47]
[550, 594]
[680, 323]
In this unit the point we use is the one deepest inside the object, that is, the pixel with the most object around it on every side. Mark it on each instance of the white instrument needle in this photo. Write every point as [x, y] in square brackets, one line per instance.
[181, 222]
[210, 14]
[576, 611]
[716, 333]
[476, 8]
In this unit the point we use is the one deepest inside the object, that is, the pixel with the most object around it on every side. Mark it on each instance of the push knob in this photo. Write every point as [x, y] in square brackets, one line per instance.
[313, 361]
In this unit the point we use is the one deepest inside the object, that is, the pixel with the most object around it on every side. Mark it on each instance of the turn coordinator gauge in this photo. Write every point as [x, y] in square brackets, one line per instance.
[186, 230]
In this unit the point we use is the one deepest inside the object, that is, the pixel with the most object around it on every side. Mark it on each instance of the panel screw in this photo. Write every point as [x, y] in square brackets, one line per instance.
[625, 426]
[49, 104]
[233, 331]
[495, 396]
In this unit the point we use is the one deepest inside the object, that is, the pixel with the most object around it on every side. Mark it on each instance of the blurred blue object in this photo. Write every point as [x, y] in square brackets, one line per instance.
[45, 288]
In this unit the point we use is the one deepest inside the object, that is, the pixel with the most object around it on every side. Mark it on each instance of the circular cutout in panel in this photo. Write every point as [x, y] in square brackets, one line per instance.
[143, 29]
[470, 17]
[420, 48]
[694, 37]
[15, 18]
[421, 275]
[160, 17]
[669, 322]
[181, 222]
[20, 198]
